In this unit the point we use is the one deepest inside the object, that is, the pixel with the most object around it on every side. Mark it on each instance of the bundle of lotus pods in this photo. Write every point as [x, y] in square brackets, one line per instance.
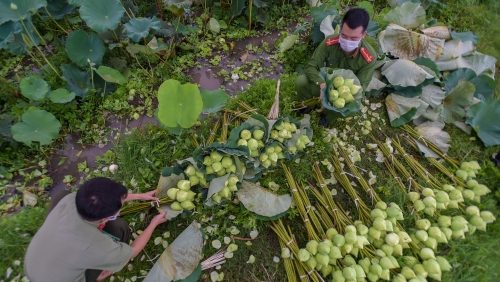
[342, 91]
[252, 140]
[229, 189]
[182, 195]
[283, 131]
[271, 155]
[220, 164]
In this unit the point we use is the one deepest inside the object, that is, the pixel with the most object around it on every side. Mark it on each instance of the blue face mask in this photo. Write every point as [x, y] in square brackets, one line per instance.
[348, 45]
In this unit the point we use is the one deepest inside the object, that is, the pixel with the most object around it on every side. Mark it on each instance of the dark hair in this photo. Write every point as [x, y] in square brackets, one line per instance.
[99, 198]
[356, 17]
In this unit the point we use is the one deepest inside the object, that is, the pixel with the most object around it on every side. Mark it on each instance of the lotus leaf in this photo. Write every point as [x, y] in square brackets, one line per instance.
[367, 6]
[433, 131]
[57, 9]
[429, 65]
[375, 84]
[5, 125]
[178, 7]
[372, 29]
[439, 31]
[260, 4]
[77, 3]
[214, 25]
[408, 15]
[222, 24]
[181, 258]
[82, 47]
[485, 86]
[139, 28]
[118, 64]
[395, 3]
[410, 45]
[326, 26]
[480, 63]
[7, 33]
[61, 96]
[179, 105]
[483, 117]
[11, 37]
[321, 12]
[25, 8]
[401, 109]
[111, 75]
[465, 36]
[102, 87]
[433, 95]
[455, 48]
[118, 35]
[213, 101]
[78, 80]
[460, 97]
[237, 7]
[34, 88]
[37, 125]
[262, 201]
[216, 185]
[134, 49]
[288, 43]
[405, 73]
[102, 15]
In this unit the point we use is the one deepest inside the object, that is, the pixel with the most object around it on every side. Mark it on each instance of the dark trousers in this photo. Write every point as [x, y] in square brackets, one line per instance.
[118, 228]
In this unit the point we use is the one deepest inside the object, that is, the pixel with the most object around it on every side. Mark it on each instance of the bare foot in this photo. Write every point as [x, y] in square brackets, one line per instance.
[104, 274]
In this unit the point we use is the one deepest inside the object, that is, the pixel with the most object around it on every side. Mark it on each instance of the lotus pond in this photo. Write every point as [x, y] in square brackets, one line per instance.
[196, 100]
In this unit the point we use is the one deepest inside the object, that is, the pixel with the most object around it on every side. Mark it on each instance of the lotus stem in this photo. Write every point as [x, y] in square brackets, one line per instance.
[246, 107]
[54, 20]
[213, 132]
[237, 114]
[311, 103]
[194, 140]
[225, 125]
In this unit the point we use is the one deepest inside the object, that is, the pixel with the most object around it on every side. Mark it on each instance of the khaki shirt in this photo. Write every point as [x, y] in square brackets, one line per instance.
[66, 246]
[328, 53]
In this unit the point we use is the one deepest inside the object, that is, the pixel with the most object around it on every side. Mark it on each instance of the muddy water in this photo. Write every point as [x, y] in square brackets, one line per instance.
[74, 153]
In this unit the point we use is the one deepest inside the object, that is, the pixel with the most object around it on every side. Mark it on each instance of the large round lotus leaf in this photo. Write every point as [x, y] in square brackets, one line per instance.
[480, 63]
[456, 48]
[6, 34]
[179, 105]
[78, 80]
[433, 131]
[439, 31]
[409, 45]
[102, 15]
[77, 3]
[37, 125]
[262, 201]
[138, 29]
[483, 117]
[432, 95]
[25, 8]
[178, 7]
[408, 15]
[34, 88]
[61, 96]
[5, 125]
[460, 97]
[214, 100]
[465, 36]
[405, 73]
[11, 37]
[57, 9]
[401, 109]
[111, 75]
[181, 258]
[82, 47]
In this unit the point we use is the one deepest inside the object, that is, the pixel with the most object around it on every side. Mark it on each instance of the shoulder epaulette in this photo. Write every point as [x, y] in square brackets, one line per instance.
[366, 54]
[332, 41]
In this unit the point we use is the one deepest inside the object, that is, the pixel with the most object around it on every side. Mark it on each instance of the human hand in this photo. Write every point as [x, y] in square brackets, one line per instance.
[104, 274]
[321, 86]
[149, 196]
[159, 218]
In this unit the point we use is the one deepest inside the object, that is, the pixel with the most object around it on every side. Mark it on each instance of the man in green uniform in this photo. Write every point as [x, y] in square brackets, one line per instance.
[82, 239]
[349, 50]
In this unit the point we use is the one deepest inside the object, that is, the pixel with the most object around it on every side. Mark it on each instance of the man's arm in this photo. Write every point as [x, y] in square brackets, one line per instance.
[365, 74]
[316, 62]
[142, 239]
[148, 196]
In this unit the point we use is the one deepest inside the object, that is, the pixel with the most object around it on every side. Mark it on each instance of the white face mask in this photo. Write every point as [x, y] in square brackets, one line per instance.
[348, 45]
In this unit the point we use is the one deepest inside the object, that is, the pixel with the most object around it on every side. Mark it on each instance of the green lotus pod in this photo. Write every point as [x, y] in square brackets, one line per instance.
[379, 223]
[420, 270]
[487, 216]
[431, 243]
[378, 213]
[426, 253]
[210, 170]
[413, 196]
[452, 204]
[432, 267]
[376, 269]
[338, 240]
[242, 142]
[311, 262]
[267, 163]
[245, 134]
[184, 185]
[388, 250]
[349, 260]
[457, 234]
[323, 248]
[338, 276]
[258, 134]
[427, 192]
[217, 166]
[172, 192]
[408, 273]
[423, 224]
[312, 247]
[334, 94]
[397, 250]
[221, 172]
[404, 237]
[392, 239]
[471, 174]
[435, 232]
[444, 265]
[350, 237]
[322, 259]
[422, 235]
[388, 225]
[360, 273]
[338, 81]
[362, 229]
[466, 166]
[346, 249]
[331, 232]
[480, 190]
[372, 277]
[430, 202]
[339, 103]
[303, 255]
[194, 180]
[176, 206]
[418, 205]
[458, 223]
[335, 253]
[190, 170]
[462, 174]
[374, 232]
[252, 144]
[187, 205]
[349, 273]
[181, 196]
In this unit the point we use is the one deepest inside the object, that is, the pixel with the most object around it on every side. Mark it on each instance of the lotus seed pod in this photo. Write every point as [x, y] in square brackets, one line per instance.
[418, 205]
[349, 260]
[427, 192]
[443, 263]
[397, 250]
[338, 276]
[381, 205]
[245, 134]
[312, 247]
[311, 262]
[335, 253]
[422, 235]
[427, 253]
[323, 248]
[420, 270]
[304, 255]
[487, 216]
[386, 263]
[431, 243]
[326, 270]
[481, 190]
[388, 250]
[176, 206]
[242, 142]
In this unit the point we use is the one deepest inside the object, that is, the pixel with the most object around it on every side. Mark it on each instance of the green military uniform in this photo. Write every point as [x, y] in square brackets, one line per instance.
[361, 62]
